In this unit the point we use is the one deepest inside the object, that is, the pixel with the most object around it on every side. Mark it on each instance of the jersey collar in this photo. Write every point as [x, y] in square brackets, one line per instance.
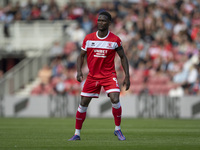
[103, 37]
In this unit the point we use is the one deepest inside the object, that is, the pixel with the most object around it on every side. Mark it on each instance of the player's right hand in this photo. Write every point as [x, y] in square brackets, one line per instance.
[126, 83]
[79, 76]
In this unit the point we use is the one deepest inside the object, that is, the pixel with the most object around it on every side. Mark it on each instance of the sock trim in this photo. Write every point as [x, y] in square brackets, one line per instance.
[82, 109]
[116, 106]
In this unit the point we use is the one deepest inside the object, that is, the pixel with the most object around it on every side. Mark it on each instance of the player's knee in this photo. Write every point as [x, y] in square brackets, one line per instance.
[84, 104]
[114, 97]
[115, 100]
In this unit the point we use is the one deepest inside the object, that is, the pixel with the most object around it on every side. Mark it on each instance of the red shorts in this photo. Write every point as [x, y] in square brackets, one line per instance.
[92, 87]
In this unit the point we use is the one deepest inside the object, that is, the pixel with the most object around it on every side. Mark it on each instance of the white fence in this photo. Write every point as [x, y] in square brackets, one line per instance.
[132, 106]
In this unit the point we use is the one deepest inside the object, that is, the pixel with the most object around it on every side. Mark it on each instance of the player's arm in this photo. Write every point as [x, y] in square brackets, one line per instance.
[125, 65]
[80, 61]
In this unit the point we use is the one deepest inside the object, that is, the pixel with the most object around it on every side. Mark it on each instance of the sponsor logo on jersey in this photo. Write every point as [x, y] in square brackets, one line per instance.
[100, 53]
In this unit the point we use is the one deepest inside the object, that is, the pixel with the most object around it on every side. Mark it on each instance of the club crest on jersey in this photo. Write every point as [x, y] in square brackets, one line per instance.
[109, 45]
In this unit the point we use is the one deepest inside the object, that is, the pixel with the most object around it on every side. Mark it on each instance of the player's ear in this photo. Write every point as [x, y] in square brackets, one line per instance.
[109, 22]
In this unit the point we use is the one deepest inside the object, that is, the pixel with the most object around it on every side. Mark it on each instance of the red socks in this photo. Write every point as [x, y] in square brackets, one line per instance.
[117, 115]
[80, 116]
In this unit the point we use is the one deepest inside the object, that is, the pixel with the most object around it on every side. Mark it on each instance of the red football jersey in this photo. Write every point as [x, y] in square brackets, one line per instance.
[101, 54]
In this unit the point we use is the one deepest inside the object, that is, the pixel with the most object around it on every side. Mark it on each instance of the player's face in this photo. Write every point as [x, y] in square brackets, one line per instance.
[103, 23]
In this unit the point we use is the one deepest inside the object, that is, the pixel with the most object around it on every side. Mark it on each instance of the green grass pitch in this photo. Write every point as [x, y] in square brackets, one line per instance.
[97, 134]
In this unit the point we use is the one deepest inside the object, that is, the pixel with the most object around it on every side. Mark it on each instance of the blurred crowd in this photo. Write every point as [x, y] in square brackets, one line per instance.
[161, 40]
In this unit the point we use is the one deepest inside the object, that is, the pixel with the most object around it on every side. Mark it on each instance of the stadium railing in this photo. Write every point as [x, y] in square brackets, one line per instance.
[22, 74]
[26, 71]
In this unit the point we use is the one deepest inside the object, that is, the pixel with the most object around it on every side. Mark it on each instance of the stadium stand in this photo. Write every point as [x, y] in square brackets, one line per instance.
[161, 40]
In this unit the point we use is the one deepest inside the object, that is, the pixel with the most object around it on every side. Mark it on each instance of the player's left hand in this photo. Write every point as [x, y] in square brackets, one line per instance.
[79, 76]
[126, 83]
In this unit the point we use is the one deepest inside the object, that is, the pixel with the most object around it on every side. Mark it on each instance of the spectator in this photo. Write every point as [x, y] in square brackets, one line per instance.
[7, 18]
[45, 74]
[42, 89]
[25, 12]
[57, 67]
[56, 51]
[35, 13]
[87, 24]
[76, 34]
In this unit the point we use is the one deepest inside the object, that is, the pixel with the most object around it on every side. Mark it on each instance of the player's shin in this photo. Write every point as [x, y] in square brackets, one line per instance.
[117, 112]
[80, 117]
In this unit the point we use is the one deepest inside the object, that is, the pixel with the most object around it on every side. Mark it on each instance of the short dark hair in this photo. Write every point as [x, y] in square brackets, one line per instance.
[106, 14]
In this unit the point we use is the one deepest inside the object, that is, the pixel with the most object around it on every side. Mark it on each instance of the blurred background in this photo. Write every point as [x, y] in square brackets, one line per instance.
[41, 39]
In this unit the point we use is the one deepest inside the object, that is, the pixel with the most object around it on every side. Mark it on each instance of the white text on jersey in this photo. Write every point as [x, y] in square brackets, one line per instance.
[100, 53]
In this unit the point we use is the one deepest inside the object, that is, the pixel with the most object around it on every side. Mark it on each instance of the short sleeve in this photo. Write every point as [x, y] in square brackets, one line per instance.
[118, 43]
